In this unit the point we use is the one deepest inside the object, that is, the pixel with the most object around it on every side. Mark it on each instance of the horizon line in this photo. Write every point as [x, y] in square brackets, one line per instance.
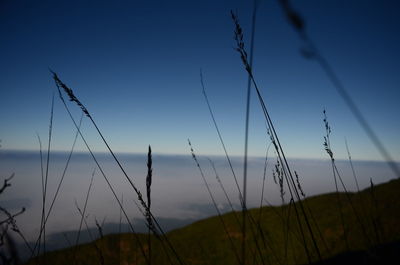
[235, 156]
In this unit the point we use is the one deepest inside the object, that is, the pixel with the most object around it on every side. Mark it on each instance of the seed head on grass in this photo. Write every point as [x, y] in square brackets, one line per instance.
[149, 177]
[70, 93]
[148, 191]
[337, 178]
[238, 36]
[277, 174]
[60, 85]
[299, 185]
[327, 144]
[278, 148]
[294, 18]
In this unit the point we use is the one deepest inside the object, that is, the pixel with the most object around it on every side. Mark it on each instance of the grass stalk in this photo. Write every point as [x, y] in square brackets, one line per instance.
[375, 217]
[120, 216]
[312, 52]
[44, 185]
[73, 98]
[351, 165]
[99, 249]
[246, 139]
[215, 204]
[82, 218]
[337, 173]
[263, 183]
[311, 214]
[286, 229]
[220, 138]
[224, 191]
[91, 237]
[102, 172]
[148, 192]
[10, 221]
[69, 244]
[120, 223]
[363, 210]
[327, 147]
[230, 165]
[274, 137]
[60, 182]
[10, 217]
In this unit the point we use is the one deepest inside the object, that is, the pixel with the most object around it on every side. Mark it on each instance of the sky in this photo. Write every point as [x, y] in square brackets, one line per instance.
[135, 65]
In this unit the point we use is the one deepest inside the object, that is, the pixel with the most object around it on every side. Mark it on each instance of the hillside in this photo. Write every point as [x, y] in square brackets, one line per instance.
[206, 242]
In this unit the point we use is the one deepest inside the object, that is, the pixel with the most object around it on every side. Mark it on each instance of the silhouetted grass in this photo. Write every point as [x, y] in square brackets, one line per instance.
[263, 182]
[92, 239]
[232, 244]
[240, 48]
[68, 91]
[157, 226]
[82, 217]
[375, 217]
[224, 191]
[313, 53]
[148, 193]
[337, 177]
[59, 183]
[8, 248]
[44, 185]
[220, 138]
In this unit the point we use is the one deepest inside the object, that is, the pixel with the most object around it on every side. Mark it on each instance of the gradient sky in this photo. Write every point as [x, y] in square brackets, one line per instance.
[135, 65]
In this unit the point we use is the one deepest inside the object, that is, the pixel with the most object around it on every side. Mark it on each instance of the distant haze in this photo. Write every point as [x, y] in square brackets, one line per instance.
[177, 190]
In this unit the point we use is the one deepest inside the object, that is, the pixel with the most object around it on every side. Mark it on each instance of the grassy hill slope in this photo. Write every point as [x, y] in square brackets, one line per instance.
[371, 218]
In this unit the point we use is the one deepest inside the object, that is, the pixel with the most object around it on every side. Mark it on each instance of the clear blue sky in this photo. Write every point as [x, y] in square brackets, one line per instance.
[135, 65]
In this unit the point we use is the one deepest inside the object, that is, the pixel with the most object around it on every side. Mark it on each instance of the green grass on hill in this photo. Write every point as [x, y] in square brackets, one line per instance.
[205, 241]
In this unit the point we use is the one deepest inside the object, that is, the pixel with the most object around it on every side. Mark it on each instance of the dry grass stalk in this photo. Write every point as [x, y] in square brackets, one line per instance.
[327, 147]
[8, 250]
[310, 51]
[248, 64]
[337, 176]
[100, 168]
[148, 192]
[60, 85]
[214, 203]
[220, 138]
[44, 187]
[224, 191]
[275, 140]
[253, 222]
[82, 217]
